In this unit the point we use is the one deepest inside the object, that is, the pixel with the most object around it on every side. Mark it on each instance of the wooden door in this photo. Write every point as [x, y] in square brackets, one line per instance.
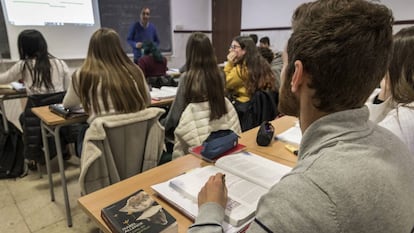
[226, 25]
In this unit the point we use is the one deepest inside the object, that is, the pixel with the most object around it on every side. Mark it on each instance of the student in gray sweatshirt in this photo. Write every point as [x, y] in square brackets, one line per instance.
[351, 175]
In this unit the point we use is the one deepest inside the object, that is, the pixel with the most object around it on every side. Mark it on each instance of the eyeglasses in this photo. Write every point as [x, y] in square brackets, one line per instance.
[234, 46]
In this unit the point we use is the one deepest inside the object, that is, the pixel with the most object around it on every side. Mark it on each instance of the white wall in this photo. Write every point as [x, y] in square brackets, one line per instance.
[187, 15]
[271, 13]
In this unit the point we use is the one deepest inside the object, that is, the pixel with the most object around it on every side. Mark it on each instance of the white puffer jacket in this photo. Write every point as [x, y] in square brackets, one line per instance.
[195, 126]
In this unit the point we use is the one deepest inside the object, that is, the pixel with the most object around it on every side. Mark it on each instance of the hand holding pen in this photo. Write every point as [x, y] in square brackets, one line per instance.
[214, 191]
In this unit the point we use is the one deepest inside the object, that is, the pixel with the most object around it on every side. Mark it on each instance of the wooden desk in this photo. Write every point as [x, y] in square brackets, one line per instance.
[276, 151]
[50, 126]
[94, 202]
[7, 94]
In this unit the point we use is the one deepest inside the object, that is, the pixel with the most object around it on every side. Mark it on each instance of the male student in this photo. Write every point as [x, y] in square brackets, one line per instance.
[140, 32]
[351, 175]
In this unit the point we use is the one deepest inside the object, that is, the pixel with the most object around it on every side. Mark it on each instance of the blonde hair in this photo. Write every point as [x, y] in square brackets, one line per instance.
[120, 80]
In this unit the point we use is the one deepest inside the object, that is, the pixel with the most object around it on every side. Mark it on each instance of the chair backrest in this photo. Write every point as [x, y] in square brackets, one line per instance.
[119, 146]
[127, 146]
[261, 107]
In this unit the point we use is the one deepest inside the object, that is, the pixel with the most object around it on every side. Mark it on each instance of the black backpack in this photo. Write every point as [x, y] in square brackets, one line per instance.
[11, 152]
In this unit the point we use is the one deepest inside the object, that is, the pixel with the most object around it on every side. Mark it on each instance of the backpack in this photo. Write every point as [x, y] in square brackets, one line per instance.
[11, 152]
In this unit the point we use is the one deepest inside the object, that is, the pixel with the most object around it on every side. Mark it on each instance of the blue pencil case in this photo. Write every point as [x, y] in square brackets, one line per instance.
[218, 142]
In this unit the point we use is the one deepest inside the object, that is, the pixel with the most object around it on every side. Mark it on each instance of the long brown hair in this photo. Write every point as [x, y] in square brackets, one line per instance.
[401, 71]
[259, 72]
[204, 80]
[108, 69]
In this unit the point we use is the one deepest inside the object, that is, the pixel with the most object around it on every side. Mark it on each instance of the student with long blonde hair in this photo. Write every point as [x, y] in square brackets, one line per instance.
[108, 82]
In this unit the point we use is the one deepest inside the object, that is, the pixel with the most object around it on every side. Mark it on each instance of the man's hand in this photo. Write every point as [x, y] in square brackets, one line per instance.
[138, 45]
[214, 191]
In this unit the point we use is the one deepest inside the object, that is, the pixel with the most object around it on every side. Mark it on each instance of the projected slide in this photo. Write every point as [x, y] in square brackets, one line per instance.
[49, 12]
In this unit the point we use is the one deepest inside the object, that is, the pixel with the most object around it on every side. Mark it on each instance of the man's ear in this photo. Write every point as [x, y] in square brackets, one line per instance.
[297, 77]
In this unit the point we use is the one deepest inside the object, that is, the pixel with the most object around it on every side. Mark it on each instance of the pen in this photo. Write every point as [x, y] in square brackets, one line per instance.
[223, 178]
[292, 149]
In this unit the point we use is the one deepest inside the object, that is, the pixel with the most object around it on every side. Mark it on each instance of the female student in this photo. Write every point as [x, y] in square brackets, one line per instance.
[152, 63]
[397, 91]
[45, 77]
[200, 106]
[246, 70]
[108, 82]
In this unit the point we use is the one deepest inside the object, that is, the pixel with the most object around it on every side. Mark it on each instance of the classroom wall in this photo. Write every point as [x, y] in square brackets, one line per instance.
[256, 18]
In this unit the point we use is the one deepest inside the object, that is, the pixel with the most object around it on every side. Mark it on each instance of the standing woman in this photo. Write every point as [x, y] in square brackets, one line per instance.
[44, 77]
[108, 82]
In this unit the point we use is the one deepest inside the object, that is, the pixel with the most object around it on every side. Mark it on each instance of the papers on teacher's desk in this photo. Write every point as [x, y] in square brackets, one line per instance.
[292, 136]
[163, 93]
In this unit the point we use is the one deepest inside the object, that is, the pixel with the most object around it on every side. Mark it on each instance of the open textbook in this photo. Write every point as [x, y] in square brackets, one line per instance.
[164, 92]
[248, 177]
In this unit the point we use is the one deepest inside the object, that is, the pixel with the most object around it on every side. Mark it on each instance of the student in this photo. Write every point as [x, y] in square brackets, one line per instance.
[44, 76]
[202, 87]
[254, 38]
[152, 63]
[264, 42]
[246, 70]
[397, 90]
[140, 32]
[40, 72]
[351, 175]
[108, 82]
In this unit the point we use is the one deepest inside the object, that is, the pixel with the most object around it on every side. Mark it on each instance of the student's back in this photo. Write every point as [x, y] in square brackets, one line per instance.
[45, 78]
[396, 113]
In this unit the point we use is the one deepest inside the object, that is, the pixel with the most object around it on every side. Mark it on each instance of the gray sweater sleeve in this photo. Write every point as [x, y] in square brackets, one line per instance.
[177, 108]
[209, 219]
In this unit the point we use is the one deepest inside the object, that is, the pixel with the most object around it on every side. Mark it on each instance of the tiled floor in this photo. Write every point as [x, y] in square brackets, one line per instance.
[25, 204]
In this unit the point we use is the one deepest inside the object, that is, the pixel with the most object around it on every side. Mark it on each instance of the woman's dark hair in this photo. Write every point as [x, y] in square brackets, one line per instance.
[32, 45]
[151, 48]
[203, 78]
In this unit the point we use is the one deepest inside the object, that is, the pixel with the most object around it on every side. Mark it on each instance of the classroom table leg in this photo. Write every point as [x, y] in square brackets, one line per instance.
[47, 158]
[62, 174]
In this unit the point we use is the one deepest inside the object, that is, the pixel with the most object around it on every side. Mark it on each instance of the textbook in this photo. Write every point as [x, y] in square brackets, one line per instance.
[165, 92]
[138, 212]
[248, 177]
[66, 113]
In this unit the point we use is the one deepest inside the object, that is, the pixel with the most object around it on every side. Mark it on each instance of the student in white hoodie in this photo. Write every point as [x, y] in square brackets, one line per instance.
[393, 107]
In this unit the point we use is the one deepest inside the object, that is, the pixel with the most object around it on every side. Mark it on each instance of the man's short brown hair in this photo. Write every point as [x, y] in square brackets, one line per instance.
[345, 47]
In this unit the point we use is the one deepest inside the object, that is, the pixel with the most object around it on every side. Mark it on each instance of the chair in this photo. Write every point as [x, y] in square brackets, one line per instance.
[119, 146]
[32, 137]
[261, 107]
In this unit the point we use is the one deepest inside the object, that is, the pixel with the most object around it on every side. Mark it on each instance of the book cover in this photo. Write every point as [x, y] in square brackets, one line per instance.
[58, 109]
[248, 177]
[138, 213]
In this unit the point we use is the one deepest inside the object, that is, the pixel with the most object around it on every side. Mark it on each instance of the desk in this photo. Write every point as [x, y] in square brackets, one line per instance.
[94, 202]
[163, 102]
[7, 94]
[50, 126]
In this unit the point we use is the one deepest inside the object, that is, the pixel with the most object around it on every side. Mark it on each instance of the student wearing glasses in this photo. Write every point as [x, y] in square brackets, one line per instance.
[246, 70]
[140, 32]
